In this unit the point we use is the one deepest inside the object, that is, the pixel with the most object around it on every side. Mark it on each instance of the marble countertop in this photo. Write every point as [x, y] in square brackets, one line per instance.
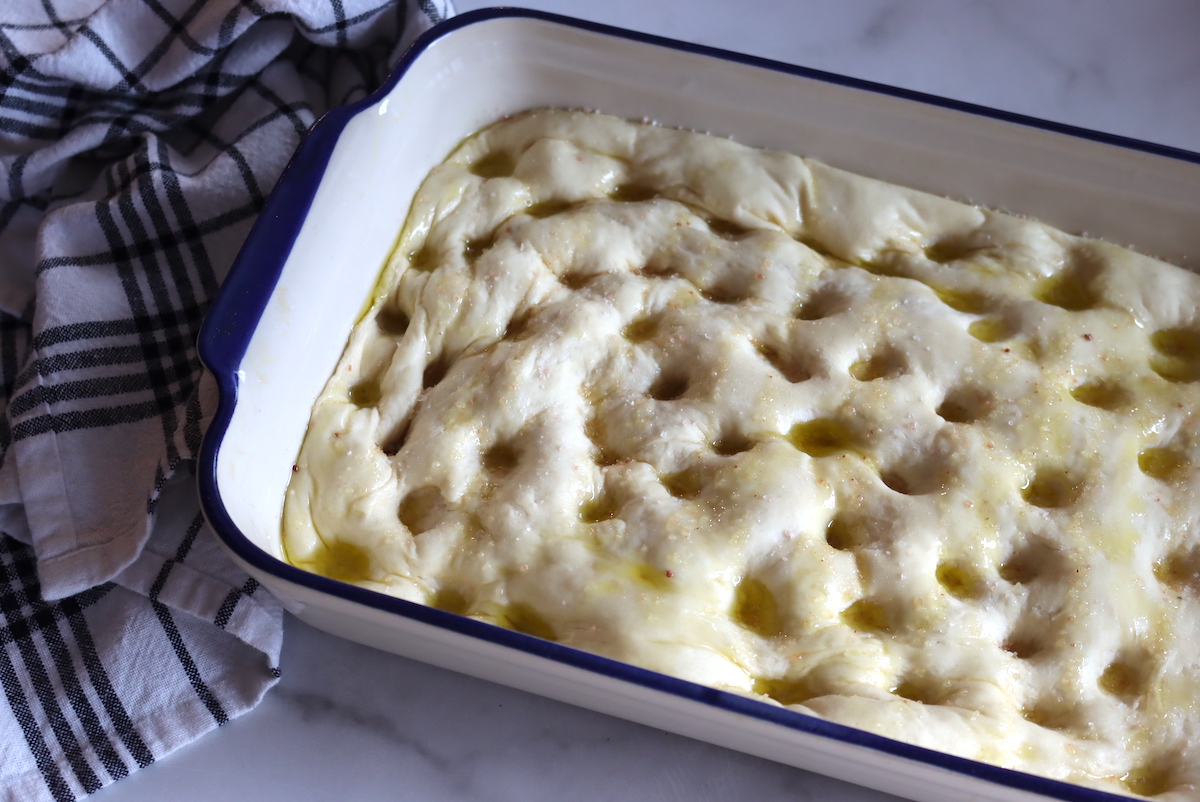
[348, 722]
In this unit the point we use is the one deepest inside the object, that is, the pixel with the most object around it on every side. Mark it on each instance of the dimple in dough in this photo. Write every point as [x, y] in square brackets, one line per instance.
[755, 422]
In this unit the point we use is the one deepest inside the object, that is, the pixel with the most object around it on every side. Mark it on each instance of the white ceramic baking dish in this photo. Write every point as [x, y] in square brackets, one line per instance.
[279, 324]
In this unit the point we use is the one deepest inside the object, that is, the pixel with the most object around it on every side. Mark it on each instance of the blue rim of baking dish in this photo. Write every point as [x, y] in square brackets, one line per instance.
[239, 305]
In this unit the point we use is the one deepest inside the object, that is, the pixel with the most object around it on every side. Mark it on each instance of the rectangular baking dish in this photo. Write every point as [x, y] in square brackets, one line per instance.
[282, 317]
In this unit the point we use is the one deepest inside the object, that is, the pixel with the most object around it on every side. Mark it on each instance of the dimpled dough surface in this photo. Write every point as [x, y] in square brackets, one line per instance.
[752, 421]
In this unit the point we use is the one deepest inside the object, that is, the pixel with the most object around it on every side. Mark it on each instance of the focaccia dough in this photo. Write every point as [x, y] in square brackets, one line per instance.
[755, 422]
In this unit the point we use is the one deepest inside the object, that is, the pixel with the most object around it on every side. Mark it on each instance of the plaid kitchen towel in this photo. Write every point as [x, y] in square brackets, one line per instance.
[138, 141]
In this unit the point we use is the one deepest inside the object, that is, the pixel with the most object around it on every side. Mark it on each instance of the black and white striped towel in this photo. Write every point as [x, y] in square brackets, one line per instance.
[138, 140]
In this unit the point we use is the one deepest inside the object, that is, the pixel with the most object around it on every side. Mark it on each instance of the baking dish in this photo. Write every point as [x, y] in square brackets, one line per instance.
[280, 322]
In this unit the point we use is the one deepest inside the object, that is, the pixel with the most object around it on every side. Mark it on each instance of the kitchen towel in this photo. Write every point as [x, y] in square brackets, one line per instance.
[138, 141]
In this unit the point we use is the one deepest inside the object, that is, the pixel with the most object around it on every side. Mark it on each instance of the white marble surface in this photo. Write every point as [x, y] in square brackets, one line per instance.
[347, 722]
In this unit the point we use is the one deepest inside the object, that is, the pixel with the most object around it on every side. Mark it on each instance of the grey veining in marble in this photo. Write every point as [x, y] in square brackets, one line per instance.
[347, 722]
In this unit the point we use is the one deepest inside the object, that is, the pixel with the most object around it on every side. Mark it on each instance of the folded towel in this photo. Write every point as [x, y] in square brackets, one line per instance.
[138, 141]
